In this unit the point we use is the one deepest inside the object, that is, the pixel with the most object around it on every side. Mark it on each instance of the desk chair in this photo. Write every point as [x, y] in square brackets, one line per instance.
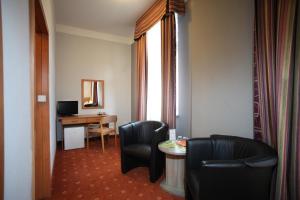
[103, 129]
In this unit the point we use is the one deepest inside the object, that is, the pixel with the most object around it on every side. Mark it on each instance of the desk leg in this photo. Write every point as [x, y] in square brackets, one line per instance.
[86, 131]
[174, 181]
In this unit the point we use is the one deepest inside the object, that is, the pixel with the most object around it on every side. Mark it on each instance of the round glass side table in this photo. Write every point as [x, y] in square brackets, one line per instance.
[175, 161]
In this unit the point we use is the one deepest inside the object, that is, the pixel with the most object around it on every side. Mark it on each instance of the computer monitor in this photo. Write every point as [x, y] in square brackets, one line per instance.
[67, 107]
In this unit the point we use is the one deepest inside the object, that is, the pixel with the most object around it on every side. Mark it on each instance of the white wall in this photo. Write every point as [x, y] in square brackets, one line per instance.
[220, 37]
[86, 58]
[215, 68]
[133, 84]
[17, 100]
[48, 7]
[183, 120]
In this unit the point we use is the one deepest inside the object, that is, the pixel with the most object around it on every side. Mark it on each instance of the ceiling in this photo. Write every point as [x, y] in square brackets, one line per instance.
[116, 17]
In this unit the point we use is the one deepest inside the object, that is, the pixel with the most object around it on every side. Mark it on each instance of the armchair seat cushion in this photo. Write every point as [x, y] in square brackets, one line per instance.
[220, 184]
[138, 150]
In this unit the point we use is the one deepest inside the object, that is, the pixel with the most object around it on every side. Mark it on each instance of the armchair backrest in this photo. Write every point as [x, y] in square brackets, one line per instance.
[145, 130]
[229, 167]
[232, 147]
[220, 147]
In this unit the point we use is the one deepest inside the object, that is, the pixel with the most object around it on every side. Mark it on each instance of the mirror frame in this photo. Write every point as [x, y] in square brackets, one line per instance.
[82, 94]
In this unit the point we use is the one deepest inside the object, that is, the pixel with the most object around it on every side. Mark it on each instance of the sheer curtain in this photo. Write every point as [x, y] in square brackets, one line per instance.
[154, 73]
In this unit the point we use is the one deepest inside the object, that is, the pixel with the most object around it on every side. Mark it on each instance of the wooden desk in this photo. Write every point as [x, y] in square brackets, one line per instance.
[78, 120]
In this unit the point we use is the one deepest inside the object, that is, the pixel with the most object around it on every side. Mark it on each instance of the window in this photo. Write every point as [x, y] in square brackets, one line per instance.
[154, 96]
[154, 100]
[177, 68]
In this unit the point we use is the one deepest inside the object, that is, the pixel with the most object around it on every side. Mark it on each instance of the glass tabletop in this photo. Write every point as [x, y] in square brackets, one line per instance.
[172, 148]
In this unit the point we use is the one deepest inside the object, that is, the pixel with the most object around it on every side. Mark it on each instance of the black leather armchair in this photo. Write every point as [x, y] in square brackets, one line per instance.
[139, 146]
[228, 168]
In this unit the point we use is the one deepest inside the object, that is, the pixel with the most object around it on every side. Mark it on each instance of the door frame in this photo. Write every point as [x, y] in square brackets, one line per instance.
[41, 175]
[1, 112]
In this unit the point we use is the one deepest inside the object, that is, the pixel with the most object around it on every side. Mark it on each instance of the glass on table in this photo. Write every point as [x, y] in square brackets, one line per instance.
[172, 134]
[179, 137]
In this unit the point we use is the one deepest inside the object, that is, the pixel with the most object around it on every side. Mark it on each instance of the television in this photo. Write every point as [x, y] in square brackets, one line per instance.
[67, 108]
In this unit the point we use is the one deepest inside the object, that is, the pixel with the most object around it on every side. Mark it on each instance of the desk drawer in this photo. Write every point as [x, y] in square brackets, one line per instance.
[73, 121]
[80, 120]
[92, 120]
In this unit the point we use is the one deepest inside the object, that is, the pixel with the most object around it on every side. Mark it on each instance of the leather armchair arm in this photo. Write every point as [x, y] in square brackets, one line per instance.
[198, 149]
[126, 134]
[254, 162]
[223, 163]
[160, 135]
[261, 161]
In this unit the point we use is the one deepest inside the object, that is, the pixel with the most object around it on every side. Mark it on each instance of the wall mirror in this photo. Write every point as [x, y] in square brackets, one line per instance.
[92, 94]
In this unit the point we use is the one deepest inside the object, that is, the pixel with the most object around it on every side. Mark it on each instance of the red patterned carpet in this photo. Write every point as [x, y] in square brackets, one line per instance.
[93, 175]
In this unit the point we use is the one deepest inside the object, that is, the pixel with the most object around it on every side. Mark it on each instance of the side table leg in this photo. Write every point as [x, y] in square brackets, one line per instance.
[174, 182]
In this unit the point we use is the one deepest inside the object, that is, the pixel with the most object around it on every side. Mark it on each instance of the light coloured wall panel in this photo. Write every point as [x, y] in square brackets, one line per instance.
[220, 38]
[85, 58]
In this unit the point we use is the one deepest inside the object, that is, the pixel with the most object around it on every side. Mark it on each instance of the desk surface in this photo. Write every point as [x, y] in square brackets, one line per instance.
[80, 116]
[80, 119]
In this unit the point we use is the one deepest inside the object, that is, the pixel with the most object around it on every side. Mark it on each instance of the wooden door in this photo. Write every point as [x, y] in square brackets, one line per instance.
[42, 144]
[1, 114]
[42, 173]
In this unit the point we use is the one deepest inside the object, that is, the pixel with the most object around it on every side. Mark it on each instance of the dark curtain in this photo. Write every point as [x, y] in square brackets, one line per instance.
[141, 62]
[277, 89]
[168, 41]
[163, 10]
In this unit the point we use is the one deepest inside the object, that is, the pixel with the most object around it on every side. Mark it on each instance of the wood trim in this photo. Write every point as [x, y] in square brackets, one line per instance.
[1, 113]
[40, 22]
[82, 95]
[42, 138]
[32, 81]
[39, 41]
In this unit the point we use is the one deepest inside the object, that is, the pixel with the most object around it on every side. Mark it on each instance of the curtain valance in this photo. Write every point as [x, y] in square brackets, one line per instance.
[155, 13]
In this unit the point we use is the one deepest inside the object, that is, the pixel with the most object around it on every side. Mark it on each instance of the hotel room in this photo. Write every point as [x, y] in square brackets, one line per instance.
[150, 99]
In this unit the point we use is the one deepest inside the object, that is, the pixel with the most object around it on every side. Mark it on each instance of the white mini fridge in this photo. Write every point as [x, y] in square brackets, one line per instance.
[74, 137]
